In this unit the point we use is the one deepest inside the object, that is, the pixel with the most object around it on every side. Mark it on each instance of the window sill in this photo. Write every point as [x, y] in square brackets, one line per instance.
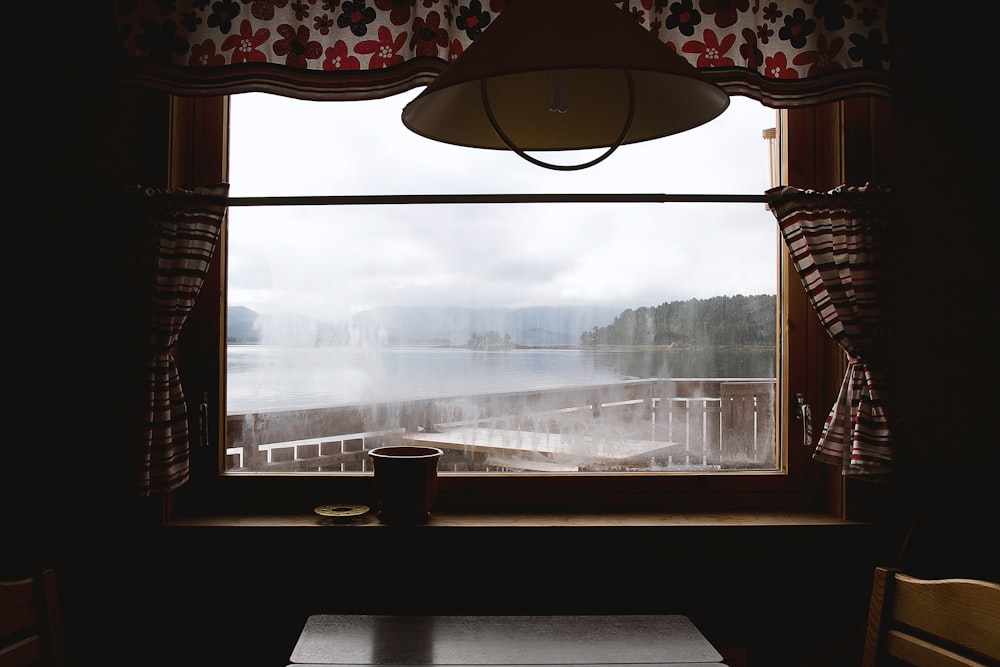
[532, 520]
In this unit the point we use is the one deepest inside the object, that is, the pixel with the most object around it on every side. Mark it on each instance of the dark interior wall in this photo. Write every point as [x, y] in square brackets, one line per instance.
[944, 354]
[241, 595]
[179, 592]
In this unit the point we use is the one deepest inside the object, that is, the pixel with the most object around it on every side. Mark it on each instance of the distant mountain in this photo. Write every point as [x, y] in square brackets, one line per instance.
[240, 325]
[248, 327]
[412, 325]
[543, 326]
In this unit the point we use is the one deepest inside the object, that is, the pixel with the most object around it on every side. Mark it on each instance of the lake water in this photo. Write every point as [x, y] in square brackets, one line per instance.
[263, 377]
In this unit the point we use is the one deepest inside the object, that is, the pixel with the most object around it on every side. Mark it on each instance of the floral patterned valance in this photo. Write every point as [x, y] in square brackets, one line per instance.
[783, 53]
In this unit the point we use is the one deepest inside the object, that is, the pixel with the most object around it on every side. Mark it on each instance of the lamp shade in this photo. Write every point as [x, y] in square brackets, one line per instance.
[563, 75]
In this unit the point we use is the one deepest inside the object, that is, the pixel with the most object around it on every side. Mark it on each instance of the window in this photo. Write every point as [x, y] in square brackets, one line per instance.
[663, 393]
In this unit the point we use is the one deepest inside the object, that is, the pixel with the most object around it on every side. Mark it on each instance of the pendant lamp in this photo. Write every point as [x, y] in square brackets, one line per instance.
[554, 75]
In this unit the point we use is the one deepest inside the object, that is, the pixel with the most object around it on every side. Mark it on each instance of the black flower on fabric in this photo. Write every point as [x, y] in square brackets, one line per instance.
[124, 32]
[771, 13]
[764, 33]
[869, 52]
[301, 10]
[399, 10]
[752, 56]
[797, 28]
[833, 13]
[356, 15]
[323, 24]
[222, 15]
[161, 41]
[126, 7]
[191, 21]
[264, 9]
[683, 17]
[726, 12]
[472, 19]
[868, 16]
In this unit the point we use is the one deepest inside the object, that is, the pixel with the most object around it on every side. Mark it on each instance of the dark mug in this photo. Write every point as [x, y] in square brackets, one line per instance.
[405, 482]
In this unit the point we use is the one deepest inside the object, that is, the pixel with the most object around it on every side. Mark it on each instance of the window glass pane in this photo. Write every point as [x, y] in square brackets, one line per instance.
[283, 146]
[519, 337]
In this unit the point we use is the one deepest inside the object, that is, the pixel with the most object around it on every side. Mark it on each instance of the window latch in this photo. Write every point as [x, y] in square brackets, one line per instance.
[203, 420]
[803, 413]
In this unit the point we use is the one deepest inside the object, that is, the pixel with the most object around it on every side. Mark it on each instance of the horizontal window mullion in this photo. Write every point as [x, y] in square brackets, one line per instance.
[355, 200]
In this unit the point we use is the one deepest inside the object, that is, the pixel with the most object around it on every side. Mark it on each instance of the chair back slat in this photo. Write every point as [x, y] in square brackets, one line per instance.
[932, 622]
[30, 632]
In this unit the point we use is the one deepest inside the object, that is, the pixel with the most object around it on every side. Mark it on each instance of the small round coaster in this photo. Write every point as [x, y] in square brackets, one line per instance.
[341, 511]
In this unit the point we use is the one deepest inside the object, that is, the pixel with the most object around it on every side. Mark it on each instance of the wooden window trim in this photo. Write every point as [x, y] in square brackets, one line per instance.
[820, 147]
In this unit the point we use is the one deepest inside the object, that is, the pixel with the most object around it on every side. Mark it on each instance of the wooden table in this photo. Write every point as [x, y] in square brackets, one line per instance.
[619, 640]
[545, 451]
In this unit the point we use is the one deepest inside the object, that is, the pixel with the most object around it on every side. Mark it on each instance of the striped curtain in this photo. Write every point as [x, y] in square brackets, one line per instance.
[838, 242]
[177, 232]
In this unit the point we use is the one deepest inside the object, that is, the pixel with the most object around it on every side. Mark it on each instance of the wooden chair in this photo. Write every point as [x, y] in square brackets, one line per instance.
[30, 632]
[932, 622]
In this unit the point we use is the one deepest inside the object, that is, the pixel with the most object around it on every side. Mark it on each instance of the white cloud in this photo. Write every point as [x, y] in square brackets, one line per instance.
[328, 261]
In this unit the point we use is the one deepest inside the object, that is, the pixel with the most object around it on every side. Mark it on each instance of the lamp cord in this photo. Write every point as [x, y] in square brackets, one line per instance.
[559, 167]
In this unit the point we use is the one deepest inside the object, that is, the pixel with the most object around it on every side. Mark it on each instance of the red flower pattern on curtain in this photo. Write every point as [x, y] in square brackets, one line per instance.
[783, 53]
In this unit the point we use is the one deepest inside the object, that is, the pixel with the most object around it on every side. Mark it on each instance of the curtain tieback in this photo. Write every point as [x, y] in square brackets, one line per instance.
[155, 350]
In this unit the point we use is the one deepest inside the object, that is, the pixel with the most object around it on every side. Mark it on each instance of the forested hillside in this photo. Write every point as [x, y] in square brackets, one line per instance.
[719, 321]
[730, 321]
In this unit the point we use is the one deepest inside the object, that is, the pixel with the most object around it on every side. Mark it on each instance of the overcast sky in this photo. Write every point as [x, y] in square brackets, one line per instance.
[327, 262]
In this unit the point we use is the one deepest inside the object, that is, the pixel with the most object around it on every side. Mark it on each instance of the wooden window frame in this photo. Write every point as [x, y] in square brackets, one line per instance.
[820, 148]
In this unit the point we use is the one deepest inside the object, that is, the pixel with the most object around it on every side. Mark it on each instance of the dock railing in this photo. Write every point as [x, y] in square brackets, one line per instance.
[709, 424]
